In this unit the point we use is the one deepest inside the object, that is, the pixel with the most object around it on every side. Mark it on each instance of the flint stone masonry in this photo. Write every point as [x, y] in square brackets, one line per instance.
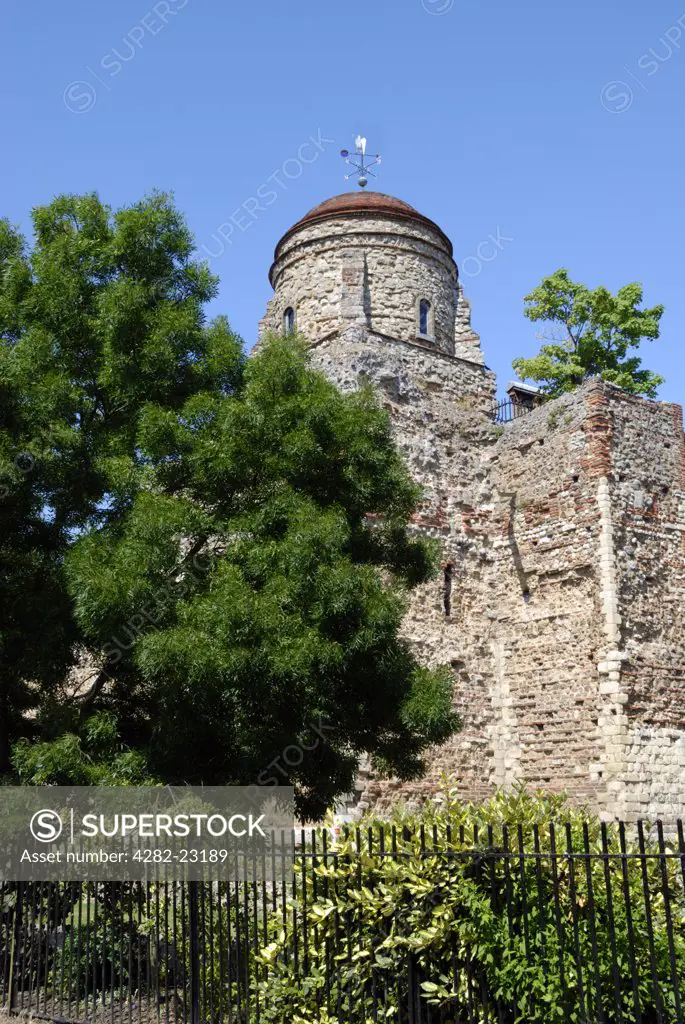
[372, 270]
[563, 533]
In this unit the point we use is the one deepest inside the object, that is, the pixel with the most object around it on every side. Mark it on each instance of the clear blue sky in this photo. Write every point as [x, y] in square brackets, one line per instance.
[489, 115]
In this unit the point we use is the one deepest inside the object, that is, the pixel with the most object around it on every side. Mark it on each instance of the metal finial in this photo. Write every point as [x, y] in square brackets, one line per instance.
[362, 169]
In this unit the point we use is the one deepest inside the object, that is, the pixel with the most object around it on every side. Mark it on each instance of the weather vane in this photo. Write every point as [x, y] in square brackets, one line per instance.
[362, 168]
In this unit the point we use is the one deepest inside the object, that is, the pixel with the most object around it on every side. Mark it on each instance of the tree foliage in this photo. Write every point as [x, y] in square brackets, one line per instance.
[593, 335]
[101, 320]
[284, 612]
[226, 539]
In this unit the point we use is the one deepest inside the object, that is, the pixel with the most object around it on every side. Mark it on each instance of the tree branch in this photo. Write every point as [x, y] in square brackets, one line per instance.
[86, 702]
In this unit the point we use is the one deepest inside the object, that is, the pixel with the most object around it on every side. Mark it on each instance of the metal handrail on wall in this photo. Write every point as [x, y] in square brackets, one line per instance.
[507, 411]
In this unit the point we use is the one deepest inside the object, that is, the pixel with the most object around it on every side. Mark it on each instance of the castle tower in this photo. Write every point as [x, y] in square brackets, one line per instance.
[373, 287]
[368, 260]
[560, 607]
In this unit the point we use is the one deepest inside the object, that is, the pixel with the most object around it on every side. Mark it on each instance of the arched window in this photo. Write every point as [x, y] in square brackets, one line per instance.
[424, 316]
[289, 320]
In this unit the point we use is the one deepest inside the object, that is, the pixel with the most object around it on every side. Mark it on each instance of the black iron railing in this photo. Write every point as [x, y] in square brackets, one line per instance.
[506, 411]
[536, 923]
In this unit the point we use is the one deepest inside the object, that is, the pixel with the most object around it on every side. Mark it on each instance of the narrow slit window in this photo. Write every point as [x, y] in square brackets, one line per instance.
[289, 320]
[424, 316]
[447, 590]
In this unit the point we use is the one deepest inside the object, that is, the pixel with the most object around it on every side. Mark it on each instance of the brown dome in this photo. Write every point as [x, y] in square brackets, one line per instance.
[363, 204]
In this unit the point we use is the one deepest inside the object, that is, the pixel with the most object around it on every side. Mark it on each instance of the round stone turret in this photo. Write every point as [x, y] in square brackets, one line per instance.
[368, 259]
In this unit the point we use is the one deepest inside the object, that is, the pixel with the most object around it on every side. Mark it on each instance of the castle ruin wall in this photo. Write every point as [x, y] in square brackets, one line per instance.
[560, 605]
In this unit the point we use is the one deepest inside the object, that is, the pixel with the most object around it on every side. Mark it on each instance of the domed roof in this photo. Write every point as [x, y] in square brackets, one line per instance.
[363, 204]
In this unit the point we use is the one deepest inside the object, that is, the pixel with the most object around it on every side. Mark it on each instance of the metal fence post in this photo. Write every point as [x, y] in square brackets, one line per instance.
[194, 928]
[16, 933]
[412, 990]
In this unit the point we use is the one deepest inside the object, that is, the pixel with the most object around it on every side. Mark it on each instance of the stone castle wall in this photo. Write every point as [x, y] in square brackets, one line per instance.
[526, 630]
[440, 407]
[560, 607]
[647, 493]
[566, 632]
[546, 625]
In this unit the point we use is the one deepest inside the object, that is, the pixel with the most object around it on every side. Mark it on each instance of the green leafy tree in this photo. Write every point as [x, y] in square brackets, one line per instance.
[101, 319]
[248, 606]
[229, 540]
[592, 335]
